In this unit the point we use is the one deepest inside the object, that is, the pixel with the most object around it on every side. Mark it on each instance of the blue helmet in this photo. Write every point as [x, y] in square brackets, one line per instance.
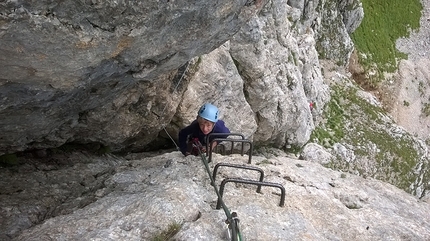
[209, 112]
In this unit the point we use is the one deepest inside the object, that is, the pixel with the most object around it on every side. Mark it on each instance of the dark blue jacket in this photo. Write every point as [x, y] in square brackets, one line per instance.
[193, 131]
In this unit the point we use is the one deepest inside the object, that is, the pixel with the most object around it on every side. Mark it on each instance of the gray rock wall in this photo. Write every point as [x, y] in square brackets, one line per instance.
[282, 75]
[218, 81]
[113, 72]
[332, 22]
[116, 199]
[91, 71]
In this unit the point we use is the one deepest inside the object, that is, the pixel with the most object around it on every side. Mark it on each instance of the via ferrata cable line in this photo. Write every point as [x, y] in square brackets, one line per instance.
[162, 112]
[232, 219]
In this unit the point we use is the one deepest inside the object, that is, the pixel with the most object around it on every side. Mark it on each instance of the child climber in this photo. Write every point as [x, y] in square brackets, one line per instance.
[206, 122]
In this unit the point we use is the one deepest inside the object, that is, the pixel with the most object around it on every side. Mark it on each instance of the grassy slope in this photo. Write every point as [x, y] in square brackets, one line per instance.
[384, 22]
[378, 149]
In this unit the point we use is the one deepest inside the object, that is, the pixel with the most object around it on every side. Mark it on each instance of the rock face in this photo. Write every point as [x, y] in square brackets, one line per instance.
[101, 71]
[282, 76]
[123, 74]
[408, 91]
[334, 21]
[358, 137]
[119, 72]
[137, 198]
[217, 80]
[264, 93]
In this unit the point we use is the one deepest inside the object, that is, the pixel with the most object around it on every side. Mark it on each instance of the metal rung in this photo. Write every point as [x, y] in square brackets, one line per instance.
[245, 181]
[240, 167]
[222, 135]
[232, 142]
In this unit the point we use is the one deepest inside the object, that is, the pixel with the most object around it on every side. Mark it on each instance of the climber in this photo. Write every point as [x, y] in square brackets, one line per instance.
[205, 123]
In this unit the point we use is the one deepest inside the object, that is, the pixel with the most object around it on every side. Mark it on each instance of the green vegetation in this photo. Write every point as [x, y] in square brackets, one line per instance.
[421, 88]
[264, 162]
[426, 109]
[8, 160]
[333, 130]
[374, 146]
[165, 235]
[296, 150]
[103, 150]
[363, 128]
[384, 22]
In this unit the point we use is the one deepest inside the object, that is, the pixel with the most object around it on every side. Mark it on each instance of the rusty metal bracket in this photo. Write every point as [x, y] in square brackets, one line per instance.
[239, 167]
[245, 181]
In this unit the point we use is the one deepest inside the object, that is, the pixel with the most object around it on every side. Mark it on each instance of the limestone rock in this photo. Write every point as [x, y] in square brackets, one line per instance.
[363, 139]
[341, 16]
[217, 80]
[141, 197]
[352, 14]
[281, 75]
[101, 71]
[317, 153]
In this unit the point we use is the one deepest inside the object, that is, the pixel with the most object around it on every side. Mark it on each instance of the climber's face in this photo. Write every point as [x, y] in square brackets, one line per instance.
[205, 125]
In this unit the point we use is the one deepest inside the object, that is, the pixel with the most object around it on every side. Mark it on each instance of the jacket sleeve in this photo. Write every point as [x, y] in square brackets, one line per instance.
[182, 138]
[221, 128]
